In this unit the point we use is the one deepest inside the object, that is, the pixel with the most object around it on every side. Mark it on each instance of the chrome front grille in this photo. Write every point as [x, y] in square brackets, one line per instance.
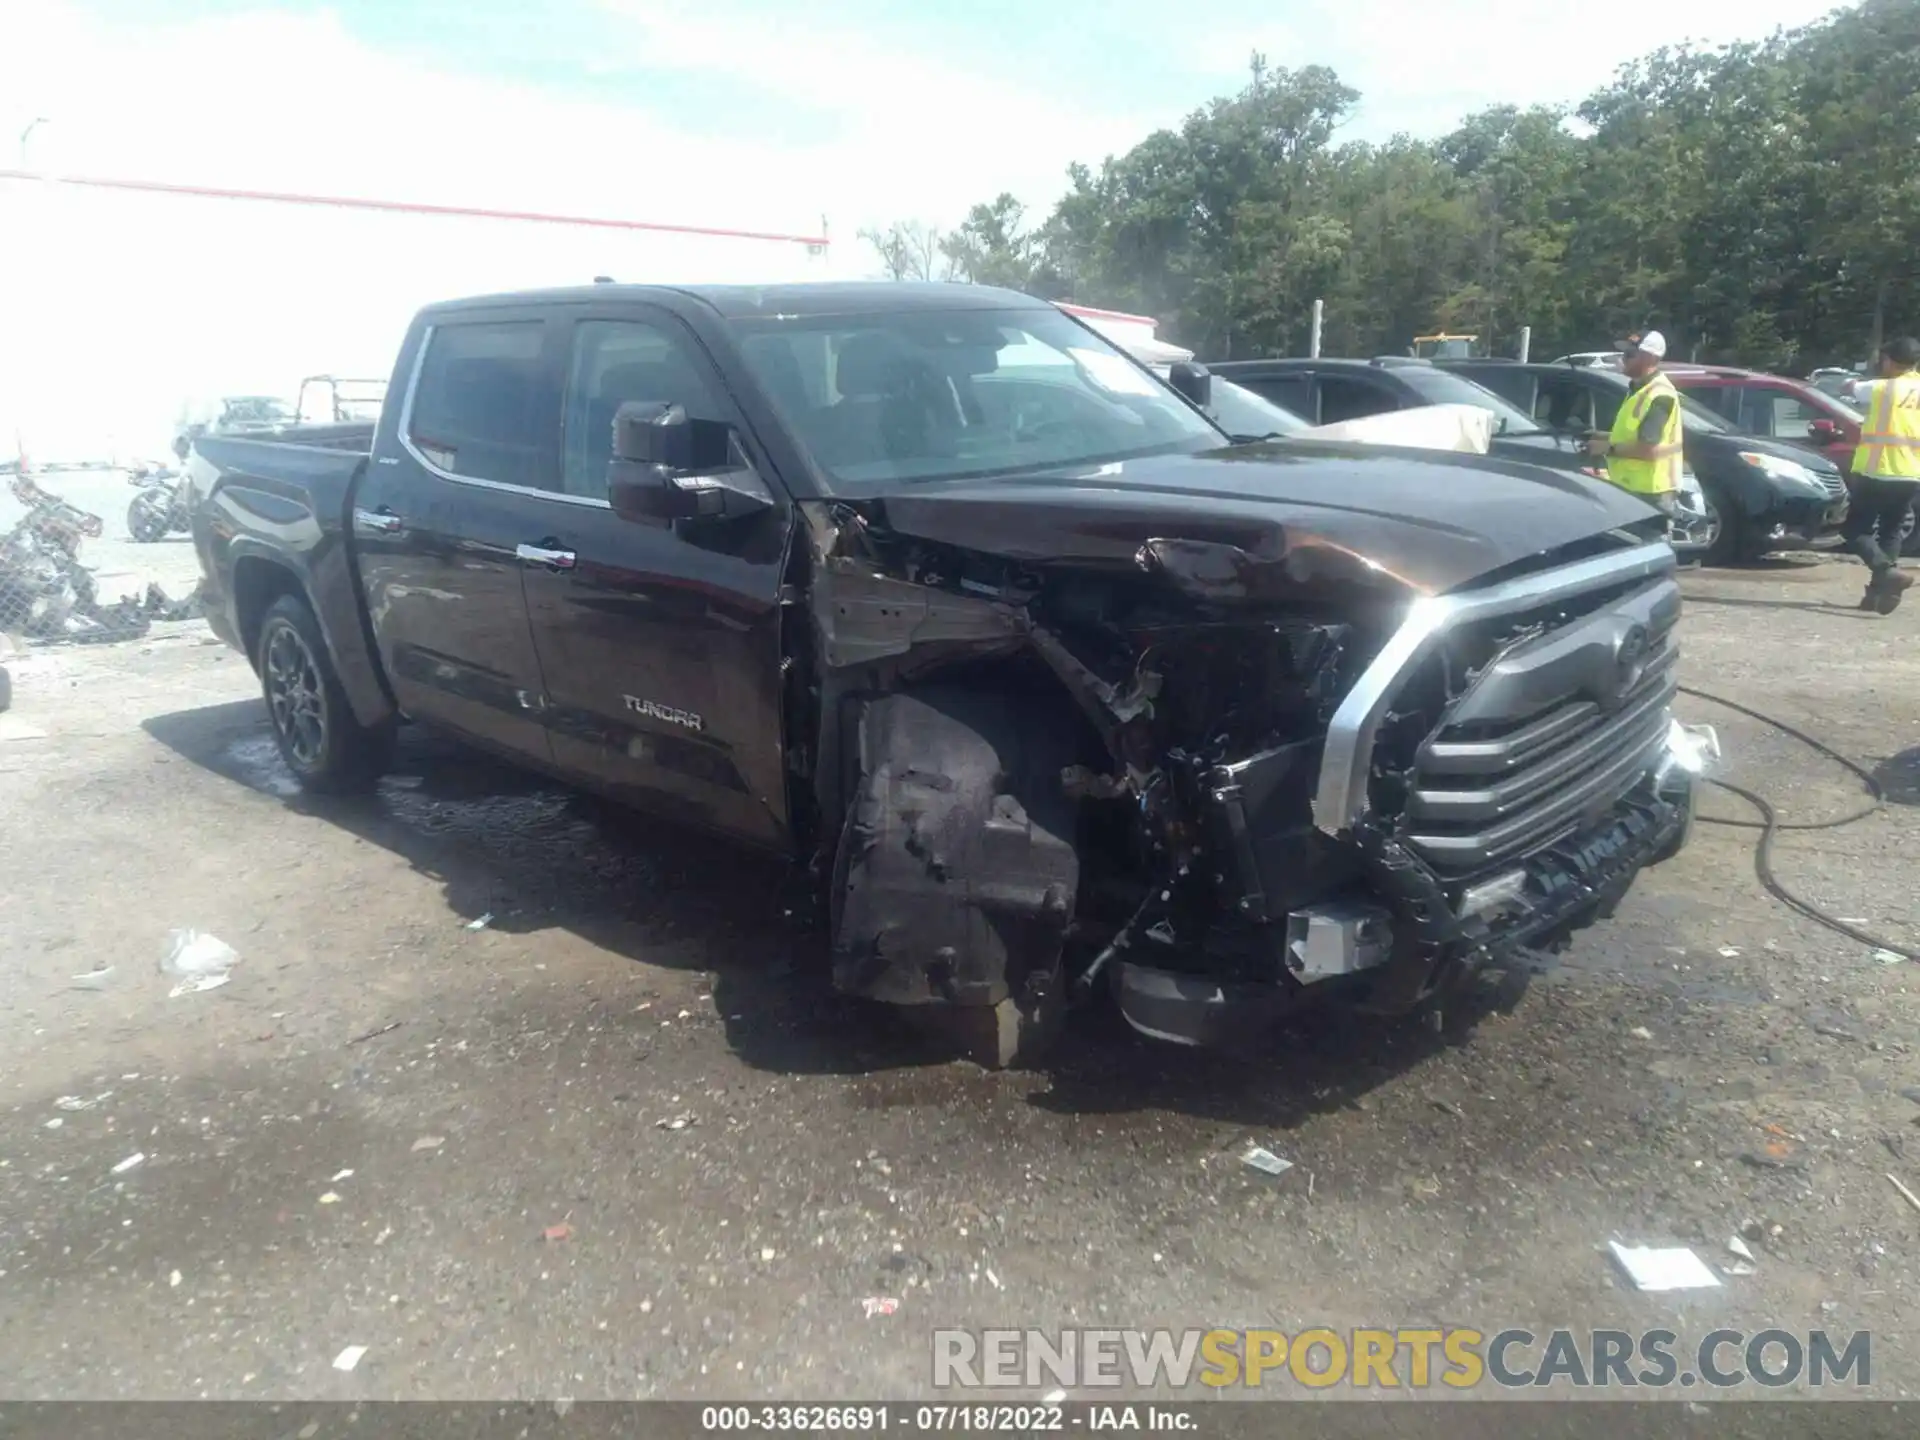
[1563, 711]
[1835, 487]
[1484, 795]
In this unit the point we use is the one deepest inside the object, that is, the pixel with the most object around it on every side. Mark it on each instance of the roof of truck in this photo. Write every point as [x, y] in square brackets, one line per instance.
[826, 297]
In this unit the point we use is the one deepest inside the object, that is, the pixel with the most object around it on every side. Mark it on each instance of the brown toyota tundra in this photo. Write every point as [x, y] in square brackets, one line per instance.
[1055, 689]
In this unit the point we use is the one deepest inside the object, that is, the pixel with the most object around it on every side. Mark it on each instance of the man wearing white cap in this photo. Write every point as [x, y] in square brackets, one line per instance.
[1643, 451]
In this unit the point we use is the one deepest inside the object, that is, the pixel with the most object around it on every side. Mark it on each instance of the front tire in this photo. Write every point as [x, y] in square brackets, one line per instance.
[327, 749]
[956, 872]
[1726, 546]
[144, 523]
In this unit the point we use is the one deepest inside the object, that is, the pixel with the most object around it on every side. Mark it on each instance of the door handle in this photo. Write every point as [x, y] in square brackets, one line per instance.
[540, 555]
[380, 522]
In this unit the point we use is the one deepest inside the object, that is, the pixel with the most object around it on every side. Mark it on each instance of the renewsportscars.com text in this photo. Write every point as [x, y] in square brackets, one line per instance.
[1457, 1358]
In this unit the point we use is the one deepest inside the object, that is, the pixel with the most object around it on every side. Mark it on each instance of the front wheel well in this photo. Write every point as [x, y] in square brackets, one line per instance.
[257, 583]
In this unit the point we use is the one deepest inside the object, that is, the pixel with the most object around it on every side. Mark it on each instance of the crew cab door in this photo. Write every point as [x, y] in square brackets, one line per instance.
[660, 644]
[439, 516]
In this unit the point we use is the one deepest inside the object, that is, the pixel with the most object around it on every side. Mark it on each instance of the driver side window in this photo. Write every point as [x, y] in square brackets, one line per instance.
[615, 361]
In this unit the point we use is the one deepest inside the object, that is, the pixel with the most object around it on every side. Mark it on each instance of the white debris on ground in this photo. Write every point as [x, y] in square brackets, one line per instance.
[197, 961]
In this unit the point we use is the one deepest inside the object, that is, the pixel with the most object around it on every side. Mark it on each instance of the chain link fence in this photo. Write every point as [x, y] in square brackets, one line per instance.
[49, 592]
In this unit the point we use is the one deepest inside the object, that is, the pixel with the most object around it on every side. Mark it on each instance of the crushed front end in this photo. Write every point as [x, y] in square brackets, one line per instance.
[1492, 779]
[1296, 777]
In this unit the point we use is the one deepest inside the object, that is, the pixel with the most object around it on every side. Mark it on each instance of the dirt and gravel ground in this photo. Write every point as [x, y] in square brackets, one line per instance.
[366, 1136]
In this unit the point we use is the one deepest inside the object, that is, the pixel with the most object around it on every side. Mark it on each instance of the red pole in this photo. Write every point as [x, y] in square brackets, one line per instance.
[404, 207]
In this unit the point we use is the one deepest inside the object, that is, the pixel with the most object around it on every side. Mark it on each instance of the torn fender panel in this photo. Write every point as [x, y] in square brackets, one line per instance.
[864, 616]
[1308, 515]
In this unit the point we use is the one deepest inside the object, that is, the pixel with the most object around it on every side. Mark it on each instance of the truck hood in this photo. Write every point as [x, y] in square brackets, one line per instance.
[1263, 520]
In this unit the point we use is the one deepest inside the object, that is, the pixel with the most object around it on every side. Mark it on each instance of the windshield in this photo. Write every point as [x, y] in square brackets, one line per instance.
[1438, 387]
[1246, 416]
[944, 394]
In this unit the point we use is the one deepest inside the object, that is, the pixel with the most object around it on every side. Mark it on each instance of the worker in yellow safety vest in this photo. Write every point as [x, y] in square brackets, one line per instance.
[1886, 472]
[1643, 450]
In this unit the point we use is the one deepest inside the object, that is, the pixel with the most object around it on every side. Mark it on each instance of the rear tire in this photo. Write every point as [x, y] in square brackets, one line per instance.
[327, 749]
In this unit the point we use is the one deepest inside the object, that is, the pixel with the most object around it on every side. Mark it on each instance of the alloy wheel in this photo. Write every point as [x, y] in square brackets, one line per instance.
[293, 695]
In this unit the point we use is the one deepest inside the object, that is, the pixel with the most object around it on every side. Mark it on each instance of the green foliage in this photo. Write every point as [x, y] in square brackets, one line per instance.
[1760, 203]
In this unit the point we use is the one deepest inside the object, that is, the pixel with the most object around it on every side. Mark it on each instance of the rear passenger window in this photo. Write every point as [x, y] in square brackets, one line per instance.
[1295, 392]
[615, 361]
[476, 410]
[1345, 399]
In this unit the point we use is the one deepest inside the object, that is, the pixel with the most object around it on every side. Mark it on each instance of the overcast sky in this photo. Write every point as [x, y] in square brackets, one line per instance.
[742, 113]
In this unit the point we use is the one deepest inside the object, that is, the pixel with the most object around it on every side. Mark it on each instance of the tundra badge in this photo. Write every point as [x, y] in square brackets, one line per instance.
[653, 710]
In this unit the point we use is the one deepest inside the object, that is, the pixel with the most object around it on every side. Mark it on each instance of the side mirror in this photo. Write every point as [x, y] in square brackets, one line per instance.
[1195, 382]
[1823, 432]
[667, 466]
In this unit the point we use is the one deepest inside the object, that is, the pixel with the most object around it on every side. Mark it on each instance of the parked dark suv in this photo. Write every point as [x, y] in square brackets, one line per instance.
[1762, 494]
[1327, 392]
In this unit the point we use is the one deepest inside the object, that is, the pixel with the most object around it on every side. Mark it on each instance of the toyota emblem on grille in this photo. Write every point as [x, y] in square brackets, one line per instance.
[1629, 664]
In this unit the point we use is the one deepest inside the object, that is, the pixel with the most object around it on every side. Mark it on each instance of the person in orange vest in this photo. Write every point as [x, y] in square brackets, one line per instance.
[1886, 472]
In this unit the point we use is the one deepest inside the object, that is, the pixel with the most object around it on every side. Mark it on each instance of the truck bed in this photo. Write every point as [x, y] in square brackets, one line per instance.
[272, 514]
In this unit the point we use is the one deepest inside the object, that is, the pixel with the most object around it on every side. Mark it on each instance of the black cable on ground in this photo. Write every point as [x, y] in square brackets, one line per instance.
[1770, 823]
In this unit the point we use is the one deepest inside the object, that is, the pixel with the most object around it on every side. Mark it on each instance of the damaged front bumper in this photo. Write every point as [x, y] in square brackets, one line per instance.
[1420, 929]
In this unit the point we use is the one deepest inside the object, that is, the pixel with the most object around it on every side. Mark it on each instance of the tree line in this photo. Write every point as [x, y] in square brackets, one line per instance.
[1759, 202]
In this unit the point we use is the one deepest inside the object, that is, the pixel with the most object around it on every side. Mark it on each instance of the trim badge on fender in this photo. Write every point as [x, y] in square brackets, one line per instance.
[653, 710]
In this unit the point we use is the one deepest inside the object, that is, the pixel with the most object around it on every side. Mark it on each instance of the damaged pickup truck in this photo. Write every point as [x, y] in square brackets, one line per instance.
[934, 589]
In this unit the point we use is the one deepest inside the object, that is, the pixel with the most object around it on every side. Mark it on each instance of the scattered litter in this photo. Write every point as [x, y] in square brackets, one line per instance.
[1729, 951]
[386, 1234]
[1446, 1105]
[335, 1179]
[199, 962]
[879, 1305]
[173, 1281]
[1258, 1157]
[1640, 1032]
[1740, 1269]
[1760, 1161]
[1888, 957]
[993, 1279]
[371, 1034]
[1905, 1193]
[349, 1357]
[557, 1233]
[766, 1252]
[1739, 1247]
[1855, 919]
[76, 1102]
[676, 1122]
[330, 1198]
[12, 727]
[128, 1163]
[482, 923]
[93, 979]
[1834, 1032]
[1652, 1268]
[428, 1142]
[54, 1124]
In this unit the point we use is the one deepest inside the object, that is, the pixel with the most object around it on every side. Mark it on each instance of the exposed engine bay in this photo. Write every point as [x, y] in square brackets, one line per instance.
[1131, 775]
